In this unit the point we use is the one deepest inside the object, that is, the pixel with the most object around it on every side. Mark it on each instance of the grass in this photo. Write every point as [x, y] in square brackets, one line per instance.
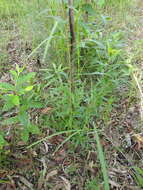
[102, 161]
[81, 90]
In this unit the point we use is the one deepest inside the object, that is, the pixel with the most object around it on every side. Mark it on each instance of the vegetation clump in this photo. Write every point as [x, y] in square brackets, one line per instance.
[70, 95]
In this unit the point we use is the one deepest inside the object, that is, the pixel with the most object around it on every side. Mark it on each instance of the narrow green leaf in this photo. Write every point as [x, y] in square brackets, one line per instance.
[49, 40]
[101, 3]
[10, 121]
[18, 69]
[34, 129]
[23, 118]
[7, 106]
[28, 88]
[2, 142]
[14, 74]
[88, 8]
[6, 86]
[102, 161]
[25, 135]
[35, 104]
[25, 78]
[15, 100]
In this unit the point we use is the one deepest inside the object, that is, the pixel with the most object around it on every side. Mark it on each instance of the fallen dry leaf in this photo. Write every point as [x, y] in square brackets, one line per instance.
[3, 173]
[67, 184]
[60, 155]
[46, 148]
[138, 139]
[23, 163]
[56, 140]
[59, 186]
[25, 181]
[7, 187]
[21, 143]
[114, 184]
[43, 173]
[46, 110]
[51, 174]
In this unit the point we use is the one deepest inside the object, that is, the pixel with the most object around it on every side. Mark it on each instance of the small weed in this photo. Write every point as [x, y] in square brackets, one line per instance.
[17, 97]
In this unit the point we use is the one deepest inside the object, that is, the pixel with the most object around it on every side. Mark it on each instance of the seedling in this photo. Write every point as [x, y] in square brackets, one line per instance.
[18, 97]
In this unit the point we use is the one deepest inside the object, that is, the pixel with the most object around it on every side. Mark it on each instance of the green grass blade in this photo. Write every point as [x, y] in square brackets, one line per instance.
[53, 135]
[67, 139]
[49, 40]
[102, 161]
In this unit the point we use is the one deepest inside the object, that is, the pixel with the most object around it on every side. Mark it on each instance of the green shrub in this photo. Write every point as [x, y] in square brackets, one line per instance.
[18, 97]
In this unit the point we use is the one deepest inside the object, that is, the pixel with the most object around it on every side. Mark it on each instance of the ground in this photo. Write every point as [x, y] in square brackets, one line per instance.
[53, 165]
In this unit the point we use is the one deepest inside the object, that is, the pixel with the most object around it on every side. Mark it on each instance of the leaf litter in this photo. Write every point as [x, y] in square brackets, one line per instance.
[40, 169]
